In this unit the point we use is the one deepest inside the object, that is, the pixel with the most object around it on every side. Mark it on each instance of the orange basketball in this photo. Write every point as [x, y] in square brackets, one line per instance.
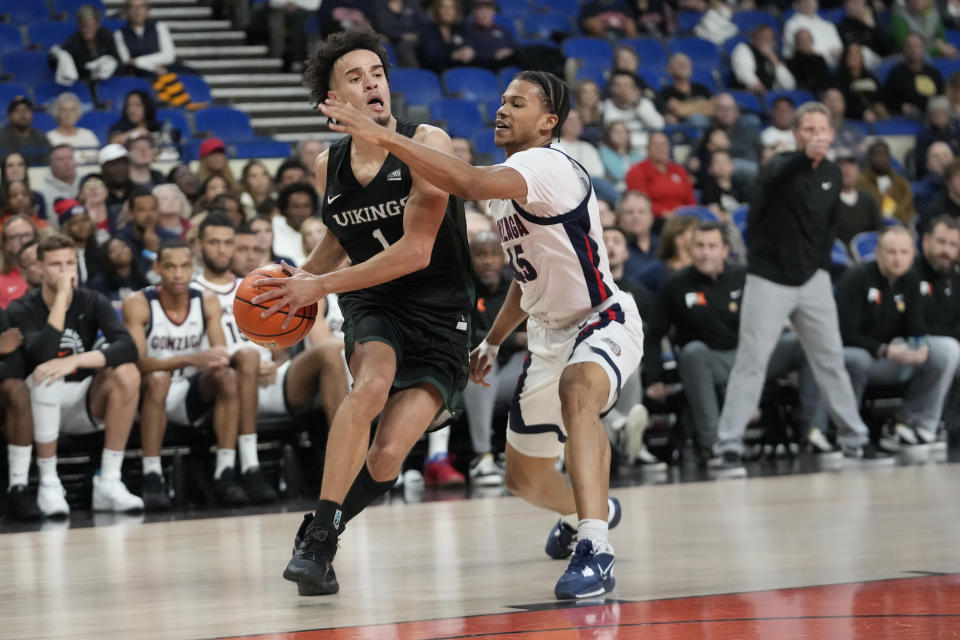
[267, 332]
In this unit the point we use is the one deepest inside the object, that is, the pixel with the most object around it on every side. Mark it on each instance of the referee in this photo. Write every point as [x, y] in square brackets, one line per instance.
[791, 224]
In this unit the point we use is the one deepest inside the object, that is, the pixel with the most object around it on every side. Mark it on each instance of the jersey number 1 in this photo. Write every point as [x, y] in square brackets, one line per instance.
[522, 269]
[379, 236]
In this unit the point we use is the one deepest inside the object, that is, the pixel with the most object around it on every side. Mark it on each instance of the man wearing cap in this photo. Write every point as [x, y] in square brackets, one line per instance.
[857, 210]
[115, 169]
[61, 179]
[75, 224]
[142, 153]
[493, 44]
[213, 161]
[20, 135]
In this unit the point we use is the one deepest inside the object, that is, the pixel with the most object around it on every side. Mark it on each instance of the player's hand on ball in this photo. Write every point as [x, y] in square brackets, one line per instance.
[481, 362]
[299, 290]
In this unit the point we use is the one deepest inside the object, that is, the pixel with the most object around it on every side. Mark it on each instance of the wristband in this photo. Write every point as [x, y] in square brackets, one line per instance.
[487, 350]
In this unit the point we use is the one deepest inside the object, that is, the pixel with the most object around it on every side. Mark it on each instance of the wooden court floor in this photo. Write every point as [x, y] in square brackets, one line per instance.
[854, 554]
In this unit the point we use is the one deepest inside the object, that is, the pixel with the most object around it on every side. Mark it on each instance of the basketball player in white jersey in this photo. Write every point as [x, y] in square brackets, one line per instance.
[269, 383]
[186, 370]
[585, 336]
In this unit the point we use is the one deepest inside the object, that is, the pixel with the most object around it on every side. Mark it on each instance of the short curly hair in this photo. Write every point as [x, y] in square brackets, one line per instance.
[320, 64]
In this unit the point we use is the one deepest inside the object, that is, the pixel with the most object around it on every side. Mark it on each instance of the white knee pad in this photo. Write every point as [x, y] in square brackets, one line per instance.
[45, 404]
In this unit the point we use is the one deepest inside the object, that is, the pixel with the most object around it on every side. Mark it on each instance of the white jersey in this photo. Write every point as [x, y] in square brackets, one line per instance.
[553, 240]
[225, 295]
[167, 339]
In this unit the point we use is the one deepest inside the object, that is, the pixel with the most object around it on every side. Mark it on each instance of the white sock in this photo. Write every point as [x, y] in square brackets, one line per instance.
[226, 458]
[48, 470]
[437, 442]
[151, 464]
[610, 510]
[18, 459]
[247, 446]
[571, 519]
[593, 529]
[110, 463]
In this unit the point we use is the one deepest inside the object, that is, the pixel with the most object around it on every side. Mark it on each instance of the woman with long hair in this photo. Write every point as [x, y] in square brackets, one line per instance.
[673, 251]
[589, 104]
[257, 186]
[92, 193]
[121, 275]
[213, 186]
[616, 152]
[443, 42]
[311, 231]
[14, 167]
[15, 201]
[861, 89]
[139, 114]
[173, 209]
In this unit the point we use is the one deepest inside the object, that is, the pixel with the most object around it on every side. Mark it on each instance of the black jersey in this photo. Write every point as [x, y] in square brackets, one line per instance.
[367, 220]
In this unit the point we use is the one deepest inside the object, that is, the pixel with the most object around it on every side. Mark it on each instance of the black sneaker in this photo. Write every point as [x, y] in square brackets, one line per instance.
[22, 504]
[257, 488]
[311, 566]
[868, 454]
[298, 539]
[731, 466]
[155, 495]
[228, 491]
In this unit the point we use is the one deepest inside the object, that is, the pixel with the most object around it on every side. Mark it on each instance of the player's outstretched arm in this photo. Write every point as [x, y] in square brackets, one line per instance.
[437, 166]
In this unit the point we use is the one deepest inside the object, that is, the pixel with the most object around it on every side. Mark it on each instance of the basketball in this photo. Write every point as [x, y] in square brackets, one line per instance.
[267, 332]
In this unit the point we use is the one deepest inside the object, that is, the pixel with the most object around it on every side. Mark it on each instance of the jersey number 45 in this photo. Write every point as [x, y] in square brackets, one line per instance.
[522, 269]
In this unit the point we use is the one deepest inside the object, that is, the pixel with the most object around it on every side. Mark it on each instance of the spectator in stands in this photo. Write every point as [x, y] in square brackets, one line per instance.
[627, 103]
[115, 169]
[311, 231]
[66, 109]
[121, 275]
[342, 15]
[920, 17]
[400, 22]
[583, 152]
[744, 141]
[60, 180]
[912, 82]
[229, 205]
[940, 127]
[848, 135]
[719, 191]
[16, 202]
[146, 45]
[92, 194]
[857, 210]
[808, 67]
[947, 202]
[625, 58]
[212, 188]
[263, 228]
[939, 156]
[756, 65]
[17, 231]
[673, 252]
[75, 224]
[617, 154]
[612, 19]
[664, 181]
[213, 162]
[683, 100]
[288, 31]
[859, 25]
[19, 135]
[653, 17]
[142, 154]
[953, 93]
[463, 149]
[778, 137]
[698, 164]
[716, 24]
[861, 90]
[886, 340]
[75, 387]
[257, 186]
[139, 114]
[92, 51]
[939, 274]
[635, 217]
[142, 233]
[186, 180]
[588, 104]
[289, 172]
[298, 201]
[493, 44]
[246, 255]
[826, 39]
[30, 266]
[890, 189]
[443, 41]
[306, 152]
[13, 166]
[173, 210]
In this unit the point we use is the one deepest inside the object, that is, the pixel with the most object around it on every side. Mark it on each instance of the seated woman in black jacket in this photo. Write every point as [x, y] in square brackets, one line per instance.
[91, 49]
[442, 41]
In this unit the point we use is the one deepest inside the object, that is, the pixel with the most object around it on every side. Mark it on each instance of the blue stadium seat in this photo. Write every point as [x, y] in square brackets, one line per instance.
[391, 54]
[462, 117]
[230, 124]
[501, 21]
[24, 11]
[483, 144]
[739, 217]
[10, 38]
[731, 43]
[177, 119]
[544, 25]
[261, 148]
[883, 69]
[596, 73]
[651, 53]
[953, 37]
[113, 24]
[44, 121]
[197, 87]
[112, 92]
[654, 79]
[863, 246]
[898, 126]
[68, 8]
[47, 92]
[514, 9]
[838, 255]
[471, 83]
[703, 53]
[505, 76]
[99, 122]
[748, 102]
[558, 7]
[26, 67]
[798, 96]
[695, 210]
[47, 34]
[596, 51]
[834, 15]
[490, 109]
[687, 20]
[706, 78]
[9, 91]
[418, 86]
[946, 67]
[747, 21]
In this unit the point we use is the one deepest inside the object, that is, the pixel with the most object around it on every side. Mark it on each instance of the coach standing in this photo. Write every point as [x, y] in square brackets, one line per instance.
[791, 234]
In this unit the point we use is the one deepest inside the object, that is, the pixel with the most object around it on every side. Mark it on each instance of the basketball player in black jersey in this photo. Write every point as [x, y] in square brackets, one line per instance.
[406, 299]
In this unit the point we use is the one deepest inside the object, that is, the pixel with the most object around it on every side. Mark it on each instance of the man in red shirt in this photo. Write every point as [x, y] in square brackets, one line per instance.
[17, 231]
[666, 183]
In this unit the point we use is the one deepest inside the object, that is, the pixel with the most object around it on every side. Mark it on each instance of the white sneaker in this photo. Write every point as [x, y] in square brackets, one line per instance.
[484, 472]
[52, 499]
[113, 495]
[924, 435]
[633, 433]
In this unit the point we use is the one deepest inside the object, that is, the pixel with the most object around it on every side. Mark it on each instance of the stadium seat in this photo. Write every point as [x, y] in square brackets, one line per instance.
[838, 255]
[863, 246]
[418, 86]
[946, 67]
[483, 144]
[68, 8]
[898, 126]
[501, 21]
[471, 83]
[748, 102]
[262, 148]
[731, 43]
[506, 75]
[834, 15]
[24, 11]
[883, 69]
[9, 91]
[490, 109]
[47, 92]
[26, 67]
[706, 78]
[391, 54]
[558, 7]
[798, 96]
[596, 51]
[230, 124]
[701, 213]
[113, 24]
[44, 121]
[544, 25]
[197, 87]
[99, 122]
[48, 34]
[702, 53]
[747, 21]
[651, 53]
[596, 73]
[462, 117]
[739, 217]
[112, 92]
[10, 38]
[687, 20]
[654, 79]
[178, 120]
[514, 9]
